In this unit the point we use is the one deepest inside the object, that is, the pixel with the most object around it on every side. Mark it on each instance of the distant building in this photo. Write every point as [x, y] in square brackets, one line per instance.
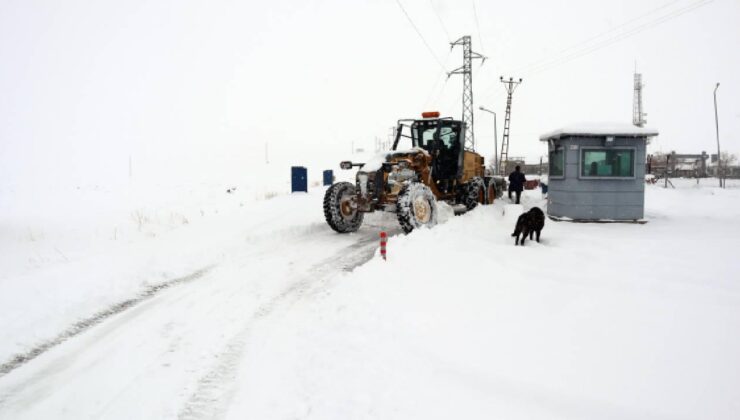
[597, 172]
[678, 165]
[527, 168]
[535, 168]
[512, 163]
[730, 171]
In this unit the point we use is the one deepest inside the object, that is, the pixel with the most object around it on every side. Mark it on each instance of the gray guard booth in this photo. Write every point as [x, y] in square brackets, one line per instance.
[597, 172]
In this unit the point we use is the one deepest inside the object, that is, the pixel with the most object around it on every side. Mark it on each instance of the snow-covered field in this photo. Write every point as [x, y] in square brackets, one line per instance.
[269, 314]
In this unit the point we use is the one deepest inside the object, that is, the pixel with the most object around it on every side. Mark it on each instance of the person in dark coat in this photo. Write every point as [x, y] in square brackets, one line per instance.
[516, 183]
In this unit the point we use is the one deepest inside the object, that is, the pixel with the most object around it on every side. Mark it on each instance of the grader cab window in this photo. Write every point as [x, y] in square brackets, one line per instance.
[448, 136]
[440, 134]
[425, 133]
[427, 136]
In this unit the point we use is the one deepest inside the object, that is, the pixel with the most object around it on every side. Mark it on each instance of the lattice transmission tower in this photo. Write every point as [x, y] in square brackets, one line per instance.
[467, 95]
[638, 116]
[510, 86]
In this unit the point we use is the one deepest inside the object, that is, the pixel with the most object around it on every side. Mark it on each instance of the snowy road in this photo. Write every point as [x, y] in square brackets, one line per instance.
[174, 354]
[607, 321]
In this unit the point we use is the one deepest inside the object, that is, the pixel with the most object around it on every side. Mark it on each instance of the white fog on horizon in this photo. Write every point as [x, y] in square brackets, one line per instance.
[192, 91]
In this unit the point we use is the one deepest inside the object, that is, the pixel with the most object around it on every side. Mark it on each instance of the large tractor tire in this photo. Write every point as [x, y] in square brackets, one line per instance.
[338, 210]
[473, 193]
[416, 207]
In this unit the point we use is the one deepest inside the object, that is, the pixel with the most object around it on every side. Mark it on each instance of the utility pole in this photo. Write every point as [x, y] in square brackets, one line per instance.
[638, 116]
[467, 95]
[665, 173]
[668, 164]
[540, 174]
[719, 154]
[495, 140]
[510, 86]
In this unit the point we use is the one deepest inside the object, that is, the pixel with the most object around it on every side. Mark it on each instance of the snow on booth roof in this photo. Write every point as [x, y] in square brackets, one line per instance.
[600, 129]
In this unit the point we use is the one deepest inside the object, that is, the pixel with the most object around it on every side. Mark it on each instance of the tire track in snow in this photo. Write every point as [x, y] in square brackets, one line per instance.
[215, 389]
[81, 326]
[212, 383]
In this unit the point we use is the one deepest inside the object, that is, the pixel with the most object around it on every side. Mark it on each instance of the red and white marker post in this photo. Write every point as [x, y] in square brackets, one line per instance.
[383, 241]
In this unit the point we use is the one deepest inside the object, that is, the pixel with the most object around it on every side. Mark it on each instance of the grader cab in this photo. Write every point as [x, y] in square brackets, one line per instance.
[427, 163]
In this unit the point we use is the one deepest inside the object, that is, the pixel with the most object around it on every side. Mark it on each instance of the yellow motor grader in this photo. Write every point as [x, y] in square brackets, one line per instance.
[409, 181]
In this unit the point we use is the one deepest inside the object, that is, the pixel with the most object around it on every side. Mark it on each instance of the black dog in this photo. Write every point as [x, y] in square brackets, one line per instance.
[529, 223]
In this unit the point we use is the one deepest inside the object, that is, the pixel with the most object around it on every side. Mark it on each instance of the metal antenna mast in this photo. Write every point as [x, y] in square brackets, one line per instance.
[510, 86]
[638, 117]
[467, 96]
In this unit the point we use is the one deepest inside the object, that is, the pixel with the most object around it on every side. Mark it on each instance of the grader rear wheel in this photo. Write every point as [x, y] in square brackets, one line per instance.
[473, 193]
[490, 193]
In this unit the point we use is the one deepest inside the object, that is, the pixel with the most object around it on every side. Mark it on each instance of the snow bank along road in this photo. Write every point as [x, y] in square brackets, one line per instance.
[168, 352]
[597, 321]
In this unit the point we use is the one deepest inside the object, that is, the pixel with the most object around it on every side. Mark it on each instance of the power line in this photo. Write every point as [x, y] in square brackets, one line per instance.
[438, 97]
[436, 82]
[547, 64]
[420, 35]
[477, 25]
[587, 41]
[441, 22]
[615, 39]
[609, 41]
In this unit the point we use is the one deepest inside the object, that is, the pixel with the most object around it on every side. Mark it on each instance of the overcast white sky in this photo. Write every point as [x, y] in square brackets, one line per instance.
[190, 89]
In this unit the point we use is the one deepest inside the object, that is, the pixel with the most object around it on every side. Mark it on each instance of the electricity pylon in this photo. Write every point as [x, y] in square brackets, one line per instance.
[467, 95]
[510, 86]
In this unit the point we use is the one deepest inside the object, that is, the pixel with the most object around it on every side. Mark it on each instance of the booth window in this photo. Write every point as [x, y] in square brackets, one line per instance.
[557, 162]
[618, 163]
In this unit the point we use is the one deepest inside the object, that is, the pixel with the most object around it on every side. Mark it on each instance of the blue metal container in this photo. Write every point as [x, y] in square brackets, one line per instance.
[299, 179]
[328, 177]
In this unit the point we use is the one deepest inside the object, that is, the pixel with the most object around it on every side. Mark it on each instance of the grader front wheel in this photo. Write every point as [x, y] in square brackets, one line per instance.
[340, 210]
[416, 207]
